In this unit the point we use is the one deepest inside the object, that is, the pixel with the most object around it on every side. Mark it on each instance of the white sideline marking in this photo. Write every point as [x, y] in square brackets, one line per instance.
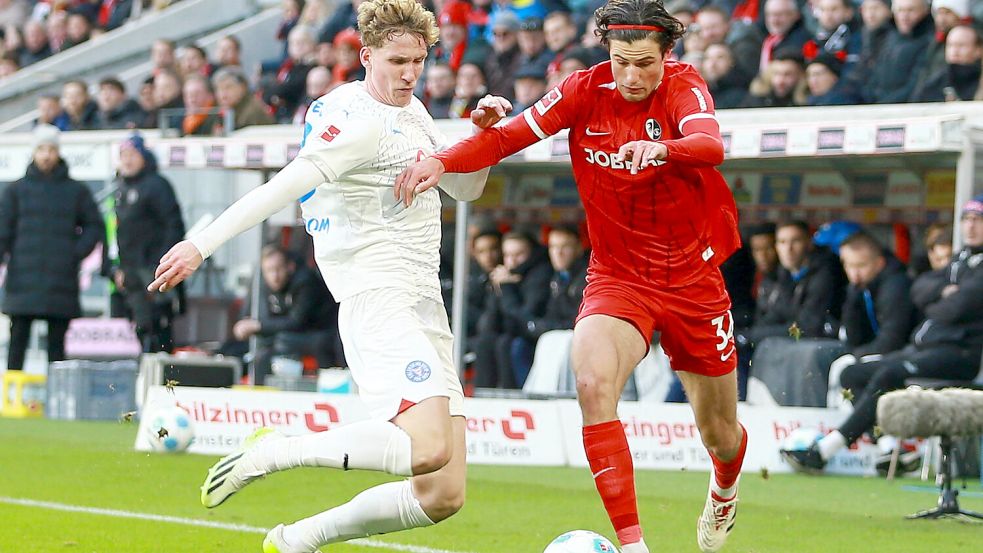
[204, 523]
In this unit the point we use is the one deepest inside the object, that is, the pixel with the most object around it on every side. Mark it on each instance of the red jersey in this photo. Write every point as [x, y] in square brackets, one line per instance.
[668, 225]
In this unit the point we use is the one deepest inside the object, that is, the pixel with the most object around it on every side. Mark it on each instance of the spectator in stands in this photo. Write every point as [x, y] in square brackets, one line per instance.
[228, 52]
[167, 101]
[149, 222]
[532, 44]
[116, 111]
[781, 85]
[786, 32]
[501, 65]
[200, 115]
[486, 254]
[78, 30]
[50, 112]
[232, 92]
[192, 60]
[468, 89]
[520, 287]
[347, 66]
[48, 224]
[289, 16]
[36, 47]
[345, 16]
[878, 314]
[743, 41]
[959, 78]
[808, 292]
[162, 56]
[726, 82]
[441, 82]
[946, 345]
[566, 287]
[57, 28]
[297, 315]
[530, 85]
[318, 84]
[9, 64]
[762, 241]
[903, 55]
[81, 110]
[113, 13]
[575, 59]
[826, 85]
[938, 246]
[315, 13]
[837, 35]
[878, 22]
[455, 47]
[287, 88]
[561, 36]
[592, 42]
[946, 14]
[13, 13]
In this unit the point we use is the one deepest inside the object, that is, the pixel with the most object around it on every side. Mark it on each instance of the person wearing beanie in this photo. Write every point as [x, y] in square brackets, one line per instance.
[959, 77]
[148, 223]
[825, 83]
[48, 224]
[945, 346]
[947, 14]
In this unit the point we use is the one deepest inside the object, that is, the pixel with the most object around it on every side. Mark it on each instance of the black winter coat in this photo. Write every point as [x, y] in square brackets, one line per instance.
[566, 295]
[890, 304]
[954, 319]
[148, 218]
[304, 305]
[891, 78]
[813, 301]
[48, 224]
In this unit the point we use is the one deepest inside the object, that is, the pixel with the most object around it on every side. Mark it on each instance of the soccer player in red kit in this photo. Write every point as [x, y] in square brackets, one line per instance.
[644, 142]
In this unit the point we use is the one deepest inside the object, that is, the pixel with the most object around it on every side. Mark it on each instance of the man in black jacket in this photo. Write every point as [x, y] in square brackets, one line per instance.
[520, 291]
[48, 224]
[149, 222]
[878, 313]
[297, 315]
[946, 345]
[566, 292]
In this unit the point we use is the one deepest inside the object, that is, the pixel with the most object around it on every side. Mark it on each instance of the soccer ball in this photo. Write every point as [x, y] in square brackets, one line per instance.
[801, 439]
[170, 430]
[580, 541]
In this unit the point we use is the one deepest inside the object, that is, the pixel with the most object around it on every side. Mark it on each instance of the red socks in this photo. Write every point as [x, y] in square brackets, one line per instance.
[726, 472]
[611, 465]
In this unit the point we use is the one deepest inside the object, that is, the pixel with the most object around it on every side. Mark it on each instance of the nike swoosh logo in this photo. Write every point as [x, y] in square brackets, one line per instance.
[600, 472]
[729, 353]
[595, 133]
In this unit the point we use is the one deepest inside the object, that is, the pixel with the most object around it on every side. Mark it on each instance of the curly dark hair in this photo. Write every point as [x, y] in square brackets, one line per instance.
[637, 12]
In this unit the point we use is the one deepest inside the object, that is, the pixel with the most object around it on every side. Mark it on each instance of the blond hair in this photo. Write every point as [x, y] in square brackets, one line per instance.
[381, 20]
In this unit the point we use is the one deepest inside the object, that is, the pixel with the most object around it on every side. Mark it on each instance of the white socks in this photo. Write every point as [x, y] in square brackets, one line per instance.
[367, 445]
[723, 493]
[386, 508]
[637, 547]
[831, 443]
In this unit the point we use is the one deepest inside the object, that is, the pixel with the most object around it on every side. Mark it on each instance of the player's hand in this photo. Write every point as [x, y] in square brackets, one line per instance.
[490, 110]
[119, 278]
[642, 153]
[176, 265]
[949, 290]
[417, 179]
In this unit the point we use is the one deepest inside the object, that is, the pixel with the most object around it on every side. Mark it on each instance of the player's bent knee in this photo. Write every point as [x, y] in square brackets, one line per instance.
[431, 457]
[442, 504]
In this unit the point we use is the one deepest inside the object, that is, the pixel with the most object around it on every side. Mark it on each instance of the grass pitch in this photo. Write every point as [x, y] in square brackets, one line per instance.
[509, 509]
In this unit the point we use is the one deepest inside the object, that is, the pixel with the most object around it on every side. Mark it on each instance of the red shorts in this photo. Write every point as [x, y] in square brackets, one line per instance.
[695, 320]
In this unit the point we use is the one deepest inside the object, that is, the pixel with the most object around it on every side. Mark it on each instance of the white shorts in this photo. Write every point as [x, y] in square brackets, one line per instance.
[399, 348]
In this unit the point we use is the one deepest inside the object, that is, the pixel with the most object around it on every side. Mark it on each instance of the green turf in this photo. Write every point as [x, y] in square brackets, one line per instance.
[516, 510]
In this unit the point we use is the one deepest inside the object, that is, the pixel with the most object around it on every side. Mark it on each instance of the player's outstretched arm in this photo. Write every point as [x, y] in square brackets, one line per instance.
[299, 177]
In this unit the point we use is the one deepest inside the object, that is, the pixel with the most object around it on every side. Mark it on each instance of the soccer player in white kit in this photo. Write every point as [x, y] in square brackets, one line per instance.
[380, 261]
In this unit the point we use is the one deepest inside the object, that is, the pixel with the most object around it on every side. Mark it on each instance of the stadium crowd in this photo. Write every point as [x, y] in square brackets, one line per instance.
[752, 53]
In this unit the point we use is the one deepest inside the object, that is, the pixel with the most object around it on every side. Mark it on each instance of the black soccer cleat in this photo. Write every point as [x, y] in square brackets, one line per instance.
[805, 460]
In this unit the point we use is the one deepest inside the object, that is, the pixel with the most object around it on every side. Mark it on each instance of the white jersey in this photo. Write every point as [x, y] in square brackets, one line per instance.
[361, 243]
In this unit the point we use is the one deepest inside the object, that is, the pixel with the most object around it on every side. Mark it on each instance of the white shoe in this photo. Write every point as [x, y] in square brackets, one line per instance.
[274, 542]
[232, 472]
[716, 522]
